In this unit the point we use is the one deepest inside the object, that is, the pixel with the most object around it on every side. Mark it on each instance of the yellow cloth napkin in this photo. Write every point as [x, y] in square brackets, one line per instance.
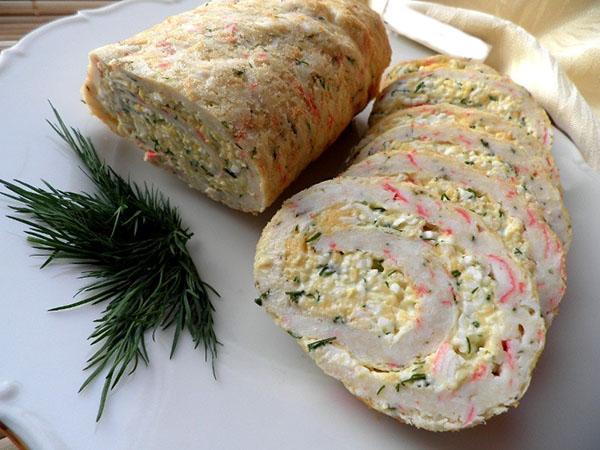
[551, 47]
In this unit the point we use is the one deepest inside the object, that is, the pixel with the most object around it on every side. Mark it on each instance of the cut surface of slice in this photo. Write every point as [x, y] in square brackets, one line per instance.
[517, 220]
[448, 116]
[536, 185]
[471, 89]
[435, 62]
[524, 160]
[421, 314]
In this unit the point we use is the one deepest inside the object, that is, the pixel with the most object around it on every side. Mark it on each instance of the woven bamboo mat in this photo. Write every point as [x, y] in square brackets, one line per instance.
[19, 17]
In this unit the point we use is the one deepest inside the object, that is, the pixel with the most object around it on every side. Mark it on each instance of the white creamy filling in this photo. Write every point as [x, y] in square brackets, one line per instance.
[467, 92]
[200, 152]
[360, 291]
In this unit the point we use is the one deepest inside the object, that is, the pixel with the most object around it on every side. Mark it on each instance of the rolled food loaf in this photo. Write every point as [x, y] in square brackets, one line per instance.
[237, 97]
[425, 276]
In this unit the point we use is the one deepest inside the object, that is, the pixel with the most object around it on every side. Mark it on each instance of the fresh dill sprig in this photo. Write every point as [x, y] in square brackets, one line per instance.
[132, 246]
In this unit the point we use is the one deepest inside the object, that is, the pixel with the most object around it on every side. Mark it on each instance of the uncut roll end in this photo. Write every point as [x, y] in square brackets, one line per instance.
[238, 107]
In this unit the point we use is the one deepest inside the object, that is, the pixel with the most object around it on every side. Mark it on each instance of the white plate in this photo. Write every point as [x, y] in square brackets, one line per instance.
[268, 395]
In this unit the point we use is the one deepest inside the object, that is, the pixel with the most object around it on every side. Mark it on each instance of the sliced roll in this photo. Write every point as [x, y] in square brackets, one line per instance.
[435, 62]
[237, 97]
[420, 313]
[524, 160]
[518, 221]
[448, 116]
[533, 182]
[467, 88]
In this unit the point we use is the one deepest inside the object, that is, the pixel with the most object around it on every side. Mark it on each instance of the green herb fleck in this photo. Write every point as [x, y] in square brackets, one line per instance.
[414, 377]
[377, 208]
[377, 264]
[325, 271]
[263, 296]
[294, 335]
[295, 295]
[474, 193]
[317, 298]
[476, 324]
[230, 173]
[316, 344]
[456, 273]
[380, 390]
[314, 237]
[419, 86]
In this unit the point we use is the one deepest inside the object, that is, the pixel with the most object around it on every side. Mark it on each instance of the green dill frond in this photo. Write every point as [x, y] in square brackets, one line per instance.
[131, 246]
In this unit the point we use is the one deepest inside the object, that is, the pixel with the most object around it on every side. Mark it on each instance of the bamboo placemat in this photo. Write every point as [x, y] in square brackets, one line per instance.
[8, 441]
[19, 17]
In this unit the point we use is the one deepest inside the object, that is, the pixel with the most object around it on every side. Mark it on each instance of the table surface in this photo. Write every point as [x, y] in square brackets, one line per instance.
[19, 17]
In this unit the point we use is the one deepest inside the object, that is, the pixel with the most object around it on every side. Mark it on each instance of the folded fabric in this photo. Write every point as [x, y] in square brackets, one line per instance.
[550, 47]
